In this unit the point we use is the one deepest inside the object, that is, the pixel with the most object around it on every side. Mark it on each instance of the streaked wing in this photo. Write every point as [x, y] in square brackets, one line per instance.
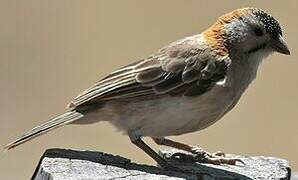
[116, 80]
[178, 69]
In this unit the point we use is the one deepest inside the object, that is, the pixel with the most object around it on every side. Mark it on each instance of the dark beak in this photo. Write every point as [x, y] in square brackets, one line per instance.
[279, 45]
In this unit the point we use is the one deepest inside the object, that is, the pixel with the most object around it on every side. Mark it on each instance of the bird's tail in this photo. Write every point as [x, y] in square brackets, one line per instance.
[54, 123]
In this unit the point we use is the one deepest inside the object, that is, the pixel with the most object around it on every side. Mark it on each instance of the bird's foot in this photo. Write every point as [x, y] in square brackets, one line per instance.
[216, 158]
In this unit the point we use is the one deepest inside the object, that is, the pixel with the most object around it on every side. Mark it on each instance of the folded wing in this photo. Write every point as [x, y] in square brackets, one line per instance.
[178, 69]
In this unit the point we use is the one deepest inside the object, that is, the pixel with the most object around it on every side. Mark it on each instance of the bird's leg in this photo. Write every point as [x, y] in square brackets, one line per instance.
[203, 156]
[142, 145]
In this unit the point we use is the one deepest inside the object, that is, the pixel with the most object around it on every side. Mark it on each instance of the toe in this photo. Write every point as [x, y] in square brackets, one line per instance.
[196, 150]
[231, 161]
[219, 153]
[214, 161]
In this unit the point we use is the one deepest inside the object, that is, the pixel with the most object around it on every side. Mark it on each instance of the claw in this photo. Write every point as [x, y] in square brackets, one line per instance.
[216, 158]
[213, 161]
[221, 160]
[240, 161]
[197, 150]
[220, 153]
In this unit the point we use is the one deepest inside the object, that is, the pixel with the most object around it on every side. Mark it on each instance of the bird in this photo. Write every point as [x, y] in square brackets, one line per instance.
[185, 86]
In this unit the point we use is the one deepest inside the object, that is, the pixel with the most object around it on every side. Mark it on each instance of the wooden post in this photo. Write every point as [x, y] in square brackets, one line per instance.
[56, 164]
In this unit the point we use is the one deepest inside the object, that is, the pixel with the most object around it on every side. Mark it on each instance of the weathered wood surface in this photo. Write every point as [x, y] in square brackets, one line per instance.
[61, 164]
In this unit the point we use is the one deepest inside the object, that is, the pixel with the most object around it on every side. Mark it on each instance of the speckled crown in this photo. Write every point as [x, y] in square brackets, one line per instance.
[271, 24]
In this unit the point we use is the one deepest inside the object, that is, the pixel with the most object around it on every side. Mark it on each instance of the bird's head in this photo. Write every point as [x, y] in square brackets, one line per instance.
[246, 31]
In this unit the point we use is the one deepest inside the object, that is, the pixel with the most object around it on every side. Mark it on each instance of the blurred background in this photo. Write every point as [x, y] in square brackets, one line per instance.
[52, 50]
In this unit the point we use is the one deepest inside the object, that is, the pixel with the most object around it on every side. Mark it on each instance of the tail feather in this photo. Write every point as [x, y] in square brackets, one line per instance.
[54, 123]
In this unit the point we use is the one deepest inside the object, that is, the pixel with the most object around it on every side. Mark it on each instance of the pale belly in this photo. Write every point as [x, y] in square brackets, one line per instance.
[169, 116]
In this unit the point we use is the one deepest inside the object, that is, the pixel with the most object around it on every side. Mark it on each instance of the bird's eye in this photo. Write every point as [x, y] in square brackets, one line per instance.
[258, 31]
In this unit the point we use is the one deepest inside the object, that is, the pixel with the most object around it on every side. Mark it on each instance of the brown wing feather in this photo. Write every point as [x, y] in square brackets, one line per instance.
[178, 69]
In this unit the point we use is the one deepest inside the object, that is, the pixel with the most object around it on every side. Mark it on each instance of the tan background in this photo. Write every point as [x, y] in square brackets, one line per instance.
[52, 50]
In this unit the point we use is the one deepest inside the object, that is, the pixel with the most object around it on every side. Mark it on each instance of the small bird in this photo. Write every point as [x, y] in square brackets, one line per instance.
[184, 87]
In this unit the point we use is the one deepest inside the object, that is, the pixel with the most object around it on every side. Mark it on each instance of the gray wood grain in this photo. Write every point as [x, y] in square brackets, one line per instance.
[61, 164]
